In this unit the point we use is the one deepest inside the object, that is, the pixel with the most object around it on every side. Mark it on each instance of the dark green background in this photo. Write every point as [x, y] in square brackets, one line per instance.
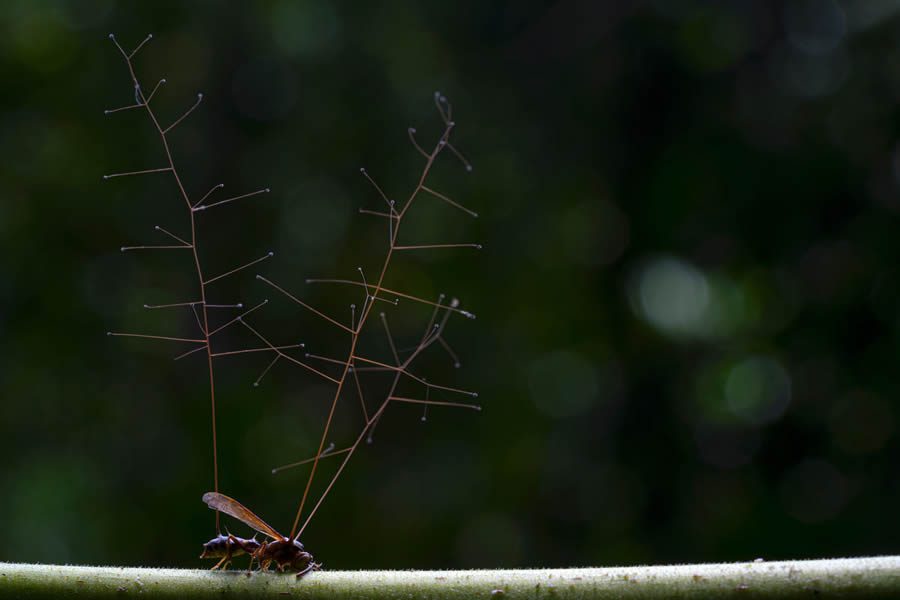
[688, 298]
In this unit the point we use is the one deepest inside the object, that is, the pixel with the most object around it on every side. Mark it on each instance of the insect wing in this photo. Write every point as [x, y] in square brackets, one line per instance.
[232, 507]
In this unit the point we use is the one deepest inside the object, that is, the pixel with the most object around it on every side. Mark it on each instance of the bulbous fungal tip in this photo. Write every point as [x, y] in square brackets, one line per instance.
[109, 332]
[259, 276]
[105, 112]
[352, 306]
[156, 227]
[240, 305]
[265, 300]
[469, 168]
[112, 37]
[162, 80]
[475, 214]
[149, 36]
[106, 177]
[474, 394]
[412, 130]
[146, 306]
[271, 253]
[456, 365]
[478, 408]
[302, 345]
[255, 384]
[308, 280]
[478, 246]
[122, 249]
[381, 313]
[268, 190]
[362, 169]
[306, 355]
[200, 96]
[452, 123]
[437, 94]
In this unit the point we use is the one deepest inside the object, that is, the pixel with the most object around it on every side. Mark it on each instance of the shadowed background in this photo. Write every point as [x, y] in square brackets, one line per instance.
[688, 298]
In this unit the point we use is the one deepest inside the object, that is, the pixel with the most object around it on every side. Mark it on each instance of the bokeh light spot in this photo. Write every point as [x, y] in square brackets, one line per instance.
[673, 296]
[757, 390]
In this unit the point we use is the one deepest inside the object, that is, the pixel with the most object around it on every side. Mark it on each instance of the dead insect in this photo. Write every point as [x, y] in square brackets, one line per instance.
[226, 546]
[283, 551]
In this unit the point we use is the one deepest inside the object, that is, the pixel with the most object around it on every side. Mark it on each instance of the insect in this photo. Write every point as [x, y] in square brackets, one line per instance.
[283, 551]
[226, 546]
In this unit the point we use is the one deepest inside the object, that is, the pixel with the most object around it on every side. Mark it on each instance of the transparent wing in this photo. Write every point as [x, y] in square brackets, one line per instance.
[237, 510]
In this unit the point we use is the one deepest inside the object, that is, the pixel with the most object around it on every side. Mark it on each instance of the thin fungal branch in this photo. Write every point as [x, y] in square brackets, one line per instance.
[362, 399]
[464, 313]
[197, 316]
[375, 291]
[387, 332]
[242, 267]
[238, 318]
[182, 118]
[425, 246]
[152, 247]
[330, 451]
[251, 350]
[373, 288]
[218, 186]
[172, 235]
[266, 370]
[377, 213]
[304, 304]
[143, 172]
[412, 138]
[282, 354]
[435, 402]
[449, 201]
[199, 307]
[155, 337]
[227, 200]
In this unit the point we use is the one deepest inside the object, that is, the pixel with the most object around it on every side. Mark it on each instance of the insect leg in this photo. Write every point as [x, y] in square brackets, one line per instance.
[257, 554]
[225, 559]
[310, 567]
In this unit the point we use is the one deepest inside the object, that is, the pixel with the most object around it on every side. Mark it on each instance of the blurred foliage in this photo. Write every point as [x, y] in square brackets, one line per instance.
[688, 300]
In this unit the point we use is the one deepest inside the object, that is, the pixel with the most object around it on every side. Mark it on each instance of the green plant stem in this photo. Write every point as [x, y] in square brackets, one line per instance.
[877, 577]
